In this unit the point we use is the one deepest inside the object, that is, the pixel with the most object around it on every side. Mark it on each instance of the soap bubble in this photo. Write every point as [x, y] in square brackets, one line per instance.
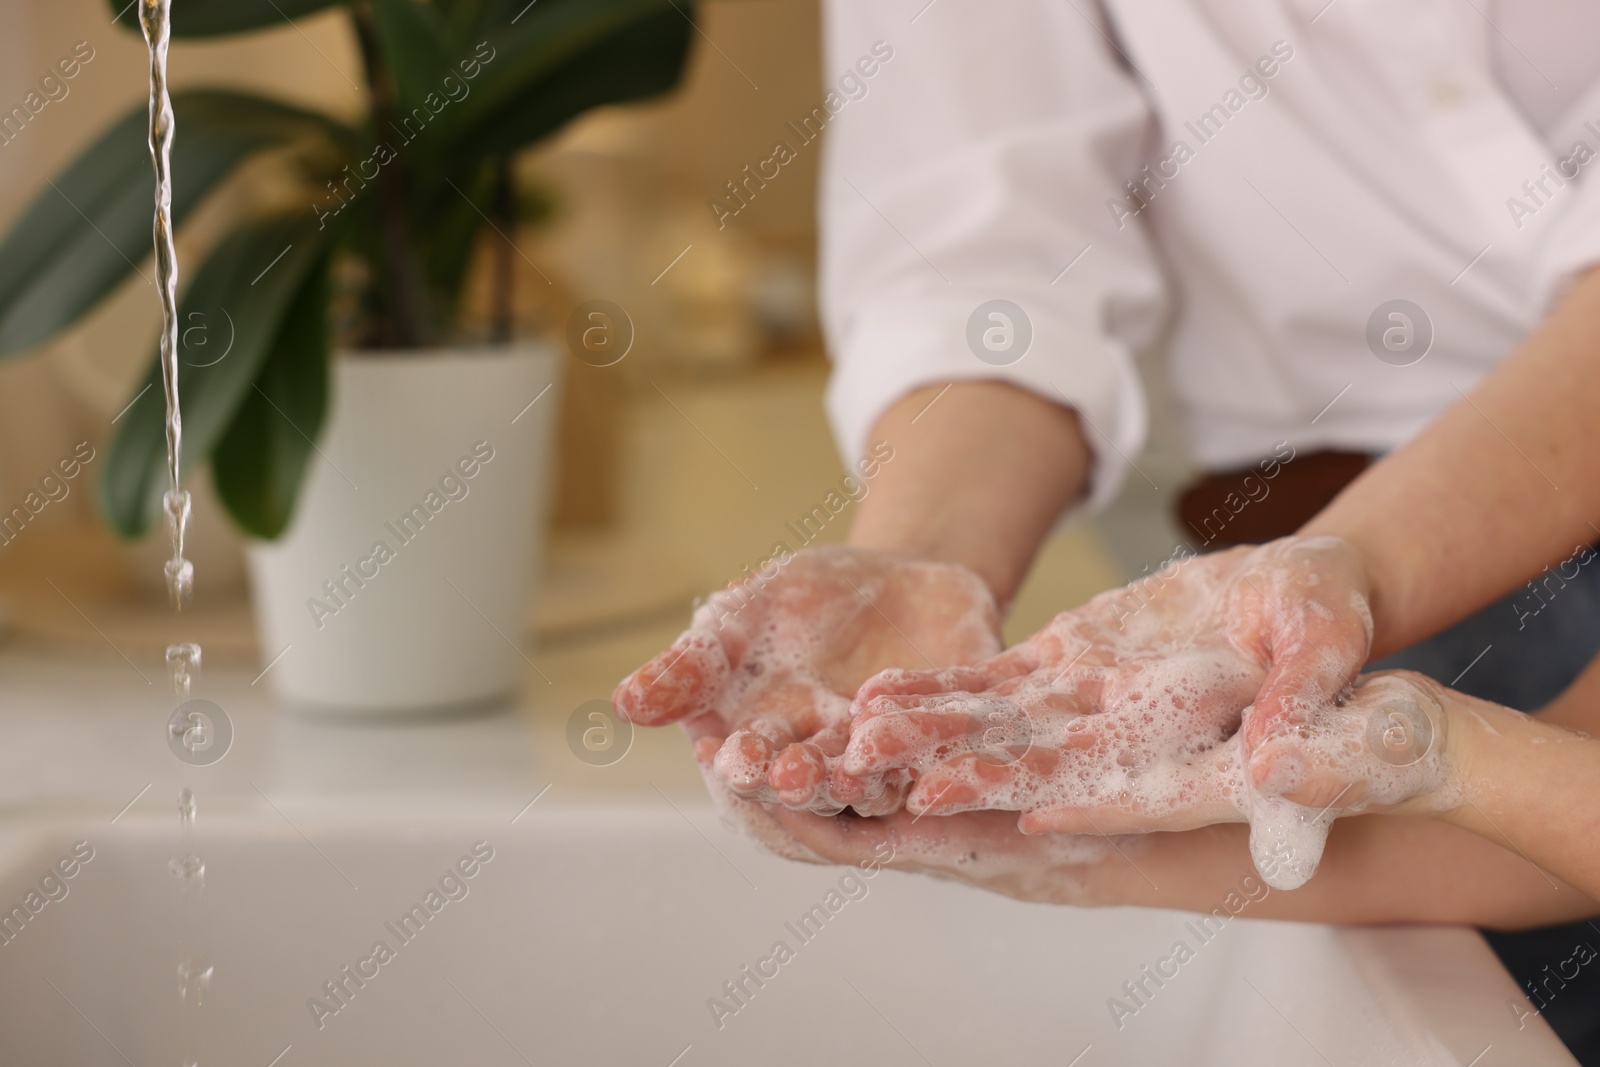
[1007, 733]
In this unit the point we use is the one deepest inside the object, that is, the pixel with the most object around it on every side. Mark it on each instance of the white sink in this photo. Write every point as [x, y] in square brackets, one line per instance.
[597, 936]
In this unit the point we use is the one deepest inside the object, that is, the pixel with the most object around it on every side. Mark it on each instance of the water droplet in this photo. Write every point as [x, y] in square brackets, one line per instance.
[179, 571]
[187, 654]
[180, 580]
[186, 806]
[183, 662]
[190, 870]
[175, 502]
[194, 980]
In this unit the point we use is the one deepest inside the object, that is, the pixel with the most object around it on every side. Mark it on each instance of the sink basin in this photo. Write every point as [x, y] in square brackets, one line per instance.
[609, 935]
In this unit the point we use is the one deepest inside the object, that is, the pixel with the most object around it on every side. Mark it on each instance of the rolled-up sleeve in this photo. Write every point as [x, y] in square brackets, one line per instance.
[1565, 231]
[980, 164]
[1572, 247]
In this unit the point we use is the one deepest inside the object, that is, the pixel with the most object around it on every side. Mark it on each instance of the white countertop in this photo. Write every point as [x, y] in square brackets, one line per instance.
[87, 735]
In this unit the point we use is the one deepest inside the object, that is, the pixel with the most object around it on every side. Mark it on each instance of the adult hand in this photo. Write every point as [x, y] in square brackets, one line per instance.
[1108, 743]
[1199, 695]
[768, 667]
[1122, 706]
[982, 848]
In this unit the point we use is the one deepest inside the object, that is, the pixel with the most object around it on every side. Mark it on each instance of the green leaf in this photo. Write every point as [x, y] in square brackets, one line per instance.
[260, 462]
[211, 18]
[412, 36]
[455, 221]
[642, 59]
[237, 303]
[90, 226]
[549, 43]
[463, 16]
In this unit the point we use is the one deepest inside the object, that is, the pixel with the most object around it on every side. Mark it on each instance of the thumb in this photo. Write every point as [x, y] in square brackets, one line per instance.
[1315, 650]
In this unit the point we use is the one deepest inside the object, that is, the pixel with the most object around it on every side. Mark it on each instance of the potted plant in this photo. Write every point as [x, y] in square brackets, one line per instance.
[387, 462]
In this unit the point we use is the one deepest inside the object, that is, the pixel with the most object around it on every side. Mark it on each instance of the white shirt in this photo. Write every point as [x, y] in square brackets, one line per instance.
[1382, 159]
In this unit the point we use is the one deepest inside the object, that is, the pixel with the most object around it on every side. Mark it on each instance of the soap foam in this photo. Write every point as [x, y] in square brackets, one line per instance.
[1286, 839]
[1166, 692]
[1149, 759]
[1159, 720]
[1047, 868]
[786, 639]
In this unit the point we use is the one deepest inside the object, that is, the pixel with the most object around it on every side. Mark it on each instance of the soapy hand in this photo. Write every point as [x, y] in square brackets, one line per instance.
[1120, 709]
[1219, 689]
[763, 678]
[1383, 747]
[1380, 748]
[1106, 744]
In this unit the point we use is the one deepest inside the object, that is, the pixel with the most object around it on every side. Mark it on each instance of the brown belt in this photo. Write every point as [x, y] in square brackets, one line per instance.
[1260, 503]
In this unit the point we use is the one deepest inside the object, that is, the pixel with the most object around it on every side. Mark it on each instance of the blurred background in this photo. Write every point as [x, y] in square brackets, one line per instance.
[677, 467]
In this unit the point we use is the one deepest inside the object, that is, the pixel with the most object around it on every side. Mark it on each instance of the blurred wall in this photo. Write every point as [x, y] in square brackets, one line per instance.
[755, 66]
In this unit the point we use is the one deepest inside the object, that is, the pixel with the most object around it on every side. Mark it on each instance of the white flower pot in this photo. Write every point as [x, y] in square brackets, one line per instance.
[405, 578]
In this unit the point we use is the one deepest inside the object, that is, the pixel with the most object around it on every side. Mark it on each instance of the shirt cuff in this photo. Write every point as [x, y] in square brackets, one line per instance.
[1573, 250]
[896, 346]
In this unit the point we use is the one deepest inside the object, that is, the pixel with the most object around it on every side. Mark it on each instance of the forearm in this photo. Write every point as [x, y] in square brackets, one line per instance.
[1375, 869]
[1443, 522]
[978, 479]
[1578, 707]
[1530, 785]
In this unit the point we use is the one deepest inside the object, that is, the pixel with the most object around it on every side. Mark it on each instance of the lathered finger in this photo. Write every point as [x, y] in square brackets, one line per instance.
[678, 682]
[900, 682]
[932, 730]
[1177, 797]
[743, 763]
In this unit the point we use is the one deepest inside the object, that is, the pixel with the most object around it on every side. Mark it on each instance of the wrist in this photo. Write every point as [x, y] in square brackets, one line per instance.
[982, 471]
[1000, 571]
[1369, 572]
[1485, 745]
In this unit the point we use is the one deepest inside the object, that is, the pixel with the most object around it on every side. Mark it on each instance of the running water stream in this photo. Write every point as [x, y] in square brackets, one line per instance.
[183, 659]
